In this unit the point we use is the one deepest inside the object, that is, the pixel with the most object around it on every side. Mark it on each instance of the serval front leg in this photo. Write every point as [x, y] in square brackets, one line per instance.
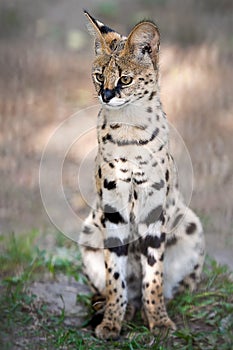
[115, 256]
[152, 254]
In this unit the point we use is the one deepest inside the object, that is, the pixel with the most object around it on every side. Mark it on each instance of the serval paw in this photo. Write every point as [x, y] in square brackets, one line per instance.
[162, 326]
[108, 330]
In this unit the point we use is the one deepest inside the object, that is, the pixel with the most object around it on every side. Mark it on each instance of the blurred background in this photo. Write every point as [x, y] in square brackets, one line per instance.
[45, 63]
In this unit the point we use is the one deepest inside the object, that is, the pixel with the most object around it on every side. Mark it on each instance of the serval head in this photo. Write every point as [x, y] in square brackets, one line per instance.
[125, 69]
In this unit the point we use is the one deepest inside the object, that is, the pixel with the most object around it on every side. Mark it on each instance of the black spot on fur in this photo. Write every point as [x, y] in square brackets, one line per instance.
[112, 215]
[143, 162]
[153, 215]
[171, 241]
[111, 165]
[115, 245]
[91, 249]
[162, 218]
[162, 257]
[102, 220]
[107, 137]
[151, 95]
[167, 175]
[100, 172]
[139, 182]
[163, 237]
[128, 179]
[150, 241]
[177, 220]
[151, 260]
[135, 195]
[114, 126]
[109, 185]
[160, 148]
[158, 185]
[191, 228]
[87, 230]
[116, 275]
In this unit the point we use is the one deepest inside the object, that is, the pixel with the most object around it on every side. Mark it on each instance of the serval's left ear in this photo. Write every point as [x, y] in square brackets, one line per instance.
[101, 33]
[144, 41]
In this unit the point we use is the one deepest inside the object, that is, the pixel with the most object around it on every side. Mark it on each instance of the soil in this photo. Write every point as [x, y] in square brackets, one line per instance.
[61, 295]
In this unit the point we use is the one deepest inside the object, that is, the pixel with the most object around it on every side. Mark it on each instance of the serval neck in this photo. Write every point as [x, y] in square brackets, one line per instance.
[138, 113]
[139, 122]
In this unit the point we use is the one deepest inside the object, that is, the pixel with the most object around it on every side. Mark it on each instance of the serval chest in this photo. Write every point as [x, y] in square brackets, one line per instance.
[131, 160]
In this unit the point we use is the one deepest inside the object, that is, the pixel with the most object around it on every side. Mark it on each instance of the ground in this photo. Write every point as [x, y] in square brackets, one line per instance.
[45, 64]
[45, 302]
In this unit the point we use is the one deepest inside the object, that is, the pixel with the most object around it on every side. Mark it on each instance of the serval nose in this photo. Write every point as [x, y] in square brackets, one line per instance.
[107, 95]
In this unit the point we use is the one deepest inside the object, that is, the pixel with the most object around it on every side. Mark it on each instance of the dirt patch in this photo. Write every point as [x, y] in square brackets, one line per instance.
[60, 295]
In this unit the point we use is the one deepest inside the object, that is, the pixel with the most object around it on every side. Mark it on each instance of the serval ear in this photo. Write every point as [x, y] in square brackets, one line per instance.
[101, 33]
[144, 42]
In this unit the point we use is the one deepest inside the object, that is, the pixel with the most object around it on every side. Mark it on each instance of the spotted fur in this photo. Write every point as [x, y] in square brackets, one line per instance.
[140, 244]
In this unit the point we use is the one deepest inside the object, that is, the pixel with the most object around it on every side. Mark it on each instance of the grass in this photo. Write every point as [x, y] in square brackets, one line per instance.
[204, 318]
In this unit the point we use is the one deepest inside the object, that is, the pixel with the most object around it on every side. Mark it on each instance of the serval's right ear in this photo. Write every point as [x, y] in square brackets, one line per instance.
[100, 32]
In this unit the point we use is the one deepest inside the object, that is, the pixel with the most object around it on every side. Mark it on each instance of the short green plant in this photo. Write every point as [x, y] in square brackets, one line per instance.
[204, 319]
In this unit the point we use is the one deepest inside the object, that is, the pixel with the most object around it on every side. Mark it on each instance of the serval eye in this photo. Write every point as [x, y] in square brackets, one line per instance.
[99, 77]
[126, 80]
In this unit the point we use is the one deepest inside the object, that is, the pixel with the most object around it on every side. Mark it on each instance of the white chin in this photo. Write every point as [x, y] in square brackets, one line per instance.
[115, 102]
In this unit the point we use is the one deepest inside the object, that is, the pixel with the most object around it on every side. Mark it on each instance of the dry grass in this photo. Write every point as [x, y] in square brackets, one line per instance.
[196, 91]
[38, 90]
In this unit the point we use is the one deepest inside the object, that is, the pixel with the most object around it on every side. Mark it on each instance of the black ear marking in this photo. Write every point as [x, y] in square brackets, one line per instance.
[147, 48]
[102, 27]
[105, 30]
